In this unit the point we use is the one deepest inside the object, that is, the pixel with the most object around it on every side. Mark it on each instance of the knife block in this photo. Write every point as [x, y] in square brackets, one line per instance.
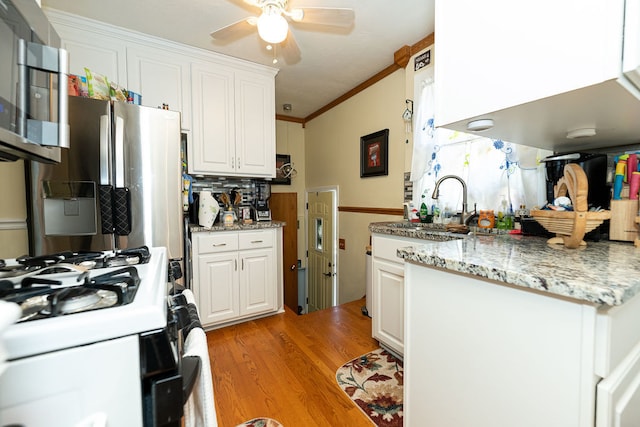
[623, 215]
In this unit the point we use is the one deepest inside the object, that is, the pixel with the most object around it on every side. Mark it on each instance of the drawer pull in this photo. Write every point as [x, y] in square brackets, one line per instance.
[217, 245]
[256, 241]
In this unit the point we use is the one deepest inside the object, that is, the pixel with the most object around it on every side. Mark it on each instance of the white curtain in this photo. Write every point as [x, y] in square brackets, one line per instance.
[424, 136]
[498, 174]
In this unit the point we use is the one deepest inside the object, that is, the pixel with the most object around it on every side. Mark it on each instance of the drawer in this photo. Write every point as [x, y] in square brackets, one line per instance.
[256, 239]
[216, 242]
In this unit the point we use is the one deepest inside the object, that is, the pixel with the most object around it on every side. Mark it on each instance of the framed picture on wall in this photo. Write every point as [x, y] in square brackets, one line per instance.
[374, 154]
[280, 179]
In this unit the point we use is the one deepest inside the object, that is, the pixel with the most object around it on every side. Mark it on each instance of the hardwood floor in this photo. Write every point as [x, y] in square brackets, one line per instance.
[283, 367]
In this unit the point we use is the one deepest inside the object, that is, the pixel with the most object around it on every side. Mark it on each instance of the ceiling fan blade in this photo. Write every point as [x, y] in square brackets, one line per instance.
[247, 4]
[255, 3]
[235, 30]
[336, 17]
[290, 49]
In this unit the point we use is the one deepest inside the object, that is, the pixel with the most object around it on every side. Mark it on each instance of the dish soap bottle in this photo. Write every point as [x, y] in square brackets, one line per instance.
[424, 212]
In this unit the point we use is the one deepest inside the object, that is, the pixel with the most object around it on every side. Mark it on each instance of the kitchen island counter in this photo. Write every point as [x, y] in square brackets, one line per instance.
[509, 330]
[603, 272]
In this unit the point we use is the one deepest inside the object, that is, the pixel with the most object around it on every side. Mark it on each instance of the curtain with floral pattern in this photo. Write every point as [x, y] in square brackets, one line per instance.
[498, 174]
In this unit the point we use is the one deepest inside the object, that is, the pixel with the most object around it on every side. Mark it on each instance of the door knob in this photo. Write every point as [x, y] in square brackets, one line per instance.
[293, 267]
[327, 274]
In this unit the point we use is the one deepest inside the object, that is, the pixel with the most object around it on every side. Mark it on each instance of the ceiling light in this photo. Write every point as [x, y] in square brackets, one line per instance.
[272, 26]
[480, 125]
[297, 14]
[581, 133]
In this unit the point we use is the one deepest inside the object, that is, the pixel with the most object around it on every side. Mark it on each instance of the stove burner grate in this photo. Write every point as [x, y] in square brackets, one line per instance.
[42, 297]
[85, 259]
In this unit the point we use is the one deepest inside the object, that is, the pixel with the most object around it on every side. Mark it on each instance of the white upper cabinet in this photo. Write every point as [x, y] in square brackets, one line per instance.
[539, 70]
[92, 48]
[227, 103]
[233, 122]
[255, 124]
[162, 77]
[212, 150]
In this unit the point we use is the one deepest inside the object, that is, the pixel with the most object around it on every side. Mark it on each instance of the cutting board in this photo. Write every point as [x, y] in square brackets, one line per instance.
[623, 215]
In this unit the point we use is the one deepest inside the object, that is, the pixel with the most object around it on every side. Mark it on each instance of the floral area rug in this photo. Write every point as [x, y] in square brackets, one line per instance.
[374, 381]
[260, 422]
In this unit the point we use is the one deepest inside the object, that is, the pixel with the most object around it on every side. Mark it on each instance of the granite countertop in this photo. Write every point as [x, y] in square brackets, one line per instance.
[603, 272]
[256, 225]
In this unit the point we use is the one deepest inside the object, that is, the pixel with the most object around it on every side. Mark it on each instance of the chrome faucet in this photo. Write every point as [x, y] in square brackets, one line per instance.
[465, 216]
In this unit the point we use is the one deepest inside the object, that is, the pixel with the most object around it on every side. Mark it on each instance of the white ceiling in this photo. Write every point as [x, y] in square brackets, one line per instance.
[333, 61]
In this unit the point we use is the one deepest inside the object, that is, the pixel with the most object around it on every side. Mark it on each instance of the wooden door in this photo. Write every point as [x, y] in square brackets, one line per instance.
[321, 270]
[284, 207]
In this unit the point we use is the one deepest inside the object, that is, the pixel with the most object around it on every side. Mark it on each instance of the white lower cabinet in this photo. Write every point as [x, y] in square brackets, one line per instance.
[387, 301]
[619, 394]
[236, 275]
[482, 354]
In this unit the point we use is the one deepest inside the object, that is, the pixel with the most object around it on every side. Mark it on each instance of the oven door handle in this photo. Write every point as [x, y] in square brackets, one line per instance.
[191, 366]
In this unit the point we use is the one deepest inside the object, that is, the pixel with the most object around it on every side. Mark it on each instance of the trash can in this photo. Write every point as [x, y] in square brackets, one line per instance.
[368, 279]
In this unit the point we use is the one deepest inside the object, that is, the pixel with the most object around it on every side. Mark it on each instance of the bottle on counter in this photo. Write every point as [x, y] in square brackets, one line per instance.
[509, 219]
[424, 211]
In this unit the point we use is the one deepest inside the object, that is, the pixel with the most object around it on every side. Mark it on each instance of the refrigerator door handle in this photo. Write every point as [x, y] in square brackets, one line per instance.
[119, 147]
[104, 150]
[106, 209]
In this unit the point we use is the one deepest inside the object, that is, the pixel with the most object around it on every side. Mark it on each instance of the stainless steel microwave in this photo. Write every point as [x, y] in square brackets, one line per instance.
[33, 85]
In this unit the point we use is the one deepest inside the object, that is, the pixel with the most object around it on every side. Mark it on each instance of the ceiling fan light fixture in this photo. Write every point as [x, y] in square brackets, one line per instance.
[272, 27]
[296, 14]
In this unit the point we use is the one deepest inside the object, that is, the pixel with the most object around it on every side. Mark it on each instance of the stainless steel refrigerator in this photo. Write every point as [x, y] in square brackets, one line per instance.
[118, 185]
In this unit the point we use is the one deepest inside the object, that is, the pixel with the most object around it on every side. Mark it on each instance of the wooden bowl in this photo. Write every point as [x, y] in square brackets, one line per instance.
[569, 226]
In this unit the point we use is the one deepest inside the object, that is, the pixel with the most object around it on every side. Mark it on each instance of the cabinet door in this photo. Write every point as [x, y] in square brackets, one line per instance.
[212, 150]
[161, 77]
[388, 304]
[257, 281]
[255, 124]
[618, 396]
[498, 54]
[217, 287]
[101, 54]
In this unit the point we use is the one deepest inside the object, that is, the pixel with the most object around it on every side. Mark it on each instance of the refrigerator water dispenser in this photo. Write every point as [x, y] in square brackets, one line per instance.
[69, 208]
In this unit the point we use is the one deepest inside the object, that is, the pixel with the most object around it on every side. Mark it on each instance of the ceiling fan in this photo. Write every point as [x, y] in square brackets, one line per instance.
[273, 26]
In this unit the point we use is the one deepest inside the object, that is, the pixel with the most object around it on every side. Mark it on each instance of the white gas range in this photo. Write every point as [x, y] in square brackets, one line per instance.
[117, 363]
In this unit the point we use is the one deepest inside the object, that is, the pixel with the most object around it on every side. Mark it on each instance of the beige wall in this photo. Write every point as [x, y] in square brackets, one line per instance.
[290, 140]
[13, 210]
[332, 143]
